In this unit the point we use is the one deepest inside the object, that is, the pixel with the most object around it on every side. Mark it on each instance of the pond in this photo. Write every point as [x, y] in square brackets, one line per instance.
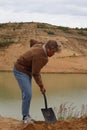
[60, 89]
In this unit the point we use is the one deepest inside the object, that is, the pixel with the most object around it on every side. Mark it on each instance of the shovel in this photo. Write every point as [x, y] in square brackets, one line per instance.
[48, 113]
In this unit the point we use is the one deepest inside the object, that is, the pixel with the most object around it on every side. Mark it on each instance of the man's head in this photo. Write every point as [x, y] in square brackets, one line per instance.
[52, 47]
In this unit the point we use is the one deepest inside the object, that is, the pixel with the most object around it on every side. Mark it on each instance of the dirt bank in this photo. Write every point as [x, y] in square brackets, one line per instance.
[72, 124]
[64, 62]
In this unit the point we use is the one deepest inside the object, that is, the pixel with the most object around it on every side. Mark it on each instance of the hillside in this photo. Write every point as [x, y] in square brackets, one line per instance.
[15, 37]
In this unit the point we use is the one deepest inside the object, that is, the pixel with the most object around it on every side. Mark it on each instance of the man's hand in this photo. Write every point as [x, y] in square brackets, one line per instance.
[42, 89]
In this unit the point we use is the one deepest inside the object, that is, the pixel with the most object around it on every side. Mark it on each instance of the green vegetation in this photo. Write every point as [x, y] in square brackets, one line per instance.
[63, 28]
[84, 29]
[66, 111]
[5, 43]
[41, 25]
[13, 32]
[45, 26]
[82, 32]
[51, 32]
[3, 25]
[19, 25]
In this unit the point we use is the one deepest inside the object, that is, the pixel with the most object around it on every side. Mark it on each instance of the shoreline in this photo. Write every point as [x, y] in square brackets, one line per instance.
[51, 72]
[55, 66]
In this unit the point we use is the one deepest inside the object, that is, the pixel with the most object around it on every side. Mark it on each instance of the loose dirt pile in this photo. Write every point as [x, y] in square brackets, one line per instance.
[72, 124]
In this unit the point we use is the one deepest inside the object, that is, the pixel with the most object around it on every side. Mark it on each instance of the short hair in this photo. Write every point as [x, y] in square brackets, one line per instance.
[52, 44]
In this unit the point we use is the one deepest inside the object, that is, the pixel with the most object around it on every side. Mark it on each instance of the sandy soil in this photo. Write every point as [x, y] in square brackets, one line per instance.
[72, 124]
[64, 62]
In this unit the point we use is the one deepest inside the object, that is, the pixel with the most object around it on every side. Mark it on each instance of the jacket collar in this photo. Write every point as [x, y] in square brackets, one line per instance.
[44, 49]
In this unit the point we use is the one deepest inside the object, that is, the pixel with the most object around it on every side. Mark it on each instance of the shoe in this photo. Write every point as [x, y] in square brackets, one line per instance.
[28, 119]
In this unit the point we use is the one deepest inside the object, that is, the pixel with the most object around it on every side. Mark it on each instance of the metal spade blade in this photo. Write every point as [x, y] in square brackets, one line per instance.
[48, 113]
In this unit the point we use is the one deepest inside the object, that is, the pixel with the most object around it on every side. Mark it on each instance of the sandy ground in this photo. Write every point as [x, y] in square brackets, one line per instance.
[72, 124]
[64, 62]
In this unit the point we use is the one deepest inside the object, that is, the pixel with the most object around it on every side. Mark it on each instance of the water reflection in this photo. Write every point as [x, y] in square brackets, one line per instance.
[60, 88]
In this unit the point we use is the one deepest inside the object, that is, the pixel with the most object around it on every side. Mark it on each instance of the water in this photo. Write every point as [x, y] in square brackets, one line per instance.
[60, 89]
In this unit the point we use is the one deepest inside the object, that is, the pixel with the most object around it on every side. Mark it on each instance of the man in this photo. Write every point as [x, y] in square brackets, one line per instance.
[30, 64]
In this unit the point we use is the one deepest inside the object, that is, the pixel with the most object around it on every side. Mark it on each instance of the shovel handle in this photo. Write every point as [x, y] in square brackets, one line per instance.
[45, 100]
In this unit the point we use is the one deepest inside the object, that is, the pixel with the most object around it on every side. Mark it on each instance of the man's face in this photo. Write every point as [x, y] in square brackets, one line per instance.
[50, 52]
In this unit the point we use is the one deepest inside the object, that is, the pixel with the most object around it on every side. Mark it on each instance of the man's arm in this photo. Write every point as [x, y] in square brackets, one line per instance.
[38, 80]
[37, 65]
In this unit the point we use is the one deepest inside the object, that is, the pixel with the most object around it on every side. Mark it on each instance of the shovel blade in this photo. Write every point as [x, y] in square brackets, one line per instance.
[49, 115]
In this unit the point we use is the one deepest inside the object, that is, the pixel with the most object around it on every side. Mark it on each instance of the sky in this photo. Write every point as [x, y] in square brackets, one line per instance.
[70, 13]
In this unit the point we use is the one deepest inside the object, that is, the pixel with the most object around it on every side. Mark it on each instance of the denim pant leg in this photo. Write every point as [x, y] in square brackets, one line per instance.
[24, 82]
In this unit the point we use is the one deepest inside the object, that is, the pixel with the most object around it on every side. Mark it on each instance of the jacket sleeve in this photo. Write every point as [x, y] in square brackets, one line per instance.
[38, 79]
[37, 65]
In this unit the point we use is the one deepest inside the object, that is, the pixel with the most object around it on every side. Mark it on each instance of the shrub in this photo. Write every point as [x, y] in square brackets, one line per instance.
[41, 25]
[66, 111]
[5, 43]
[3, 25]
[51, 32]
[63, 28]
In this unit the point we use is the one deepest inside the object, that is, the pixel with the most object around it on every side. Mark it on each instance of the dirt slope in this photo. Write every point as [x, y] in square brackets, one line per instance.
[73, 124]
[72, 59]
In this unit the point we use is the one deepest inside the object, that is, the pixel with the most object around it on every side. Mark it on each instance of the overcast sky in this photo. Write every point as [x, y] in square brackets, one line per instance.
[71, 13]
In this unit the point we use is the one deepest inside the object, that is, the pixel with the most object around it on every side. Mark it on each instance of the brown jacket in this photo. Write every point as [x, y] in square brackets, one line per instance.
[32, 62]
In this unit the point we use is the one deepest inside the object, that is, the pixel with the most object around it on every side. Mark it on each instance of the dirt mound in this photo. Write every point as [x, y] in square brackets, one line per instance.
[71, 124]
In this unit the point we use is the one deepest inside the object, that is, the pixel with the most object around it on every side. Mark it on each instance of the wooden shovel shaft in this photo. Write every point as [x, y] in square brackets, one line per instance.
[45, 100]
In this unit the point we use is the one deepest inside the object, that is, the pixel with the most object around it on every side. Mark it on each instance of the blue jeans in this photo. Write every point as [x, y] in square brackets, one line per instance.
[25, 83]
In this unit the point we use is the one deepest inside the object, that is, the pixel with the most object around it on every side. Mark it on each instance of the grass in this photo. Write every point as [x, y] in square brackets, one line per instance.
[5, 43]
[51, 33]
[41, 25]
[69, 111]
[63, 28]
